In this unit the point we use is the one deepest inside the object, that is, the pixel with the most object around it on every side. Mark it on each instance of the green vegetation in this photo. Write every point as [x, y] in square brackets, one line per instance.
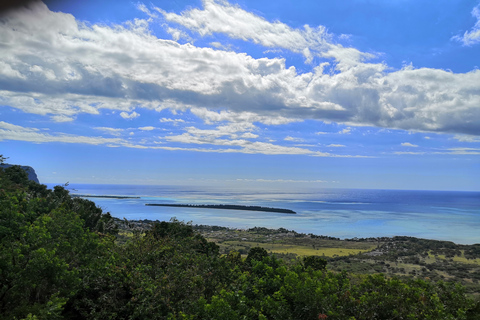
[282, 241]
[418, 258]
[63, 258]
[403, 257]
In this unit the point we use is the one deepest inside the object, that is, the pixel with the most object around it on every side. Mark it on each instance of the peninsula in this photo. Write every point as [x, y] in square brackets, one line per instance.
[224, 207]
[110, 197]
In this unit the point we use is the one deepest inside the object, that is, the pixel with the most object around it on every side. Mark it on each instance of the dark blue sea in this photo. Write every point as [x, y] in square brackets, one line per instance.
[343, 213]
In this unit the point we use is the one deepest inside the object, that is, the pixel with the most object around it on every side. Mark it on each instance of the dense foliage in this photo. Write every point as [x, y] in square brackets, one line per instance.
[59, 259]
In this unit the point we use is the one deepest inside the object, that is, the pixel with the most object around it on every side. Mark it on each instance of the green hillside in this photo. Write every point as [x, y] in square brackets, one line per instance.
[61, 257]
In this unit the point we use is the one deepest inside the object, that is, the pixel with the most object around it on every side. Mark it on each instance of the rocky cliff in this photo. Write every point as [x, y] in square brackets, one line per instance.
[31, 172]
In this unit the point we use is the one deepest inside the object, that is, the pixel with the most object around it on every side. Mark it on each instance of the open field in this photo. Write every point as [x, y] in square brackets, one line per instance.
[300, 250]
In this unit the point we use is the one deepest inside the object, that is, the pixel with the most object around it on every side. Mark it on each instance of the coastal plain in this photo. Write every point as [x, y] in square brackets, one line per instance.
[400, 256]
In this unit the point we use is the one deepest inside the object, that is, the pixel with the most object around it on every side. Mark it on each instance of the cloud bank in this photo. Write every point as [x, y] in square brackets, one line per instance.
[59, 67]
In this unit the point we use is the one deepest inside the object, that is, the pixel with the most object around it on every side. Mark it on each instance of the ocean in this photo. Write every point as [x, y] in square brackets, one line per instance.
[342, 213]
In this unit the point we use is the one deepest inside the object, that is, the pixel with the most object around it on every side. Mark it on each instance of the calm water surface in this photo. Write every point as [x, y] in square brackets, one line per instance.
[343, 213]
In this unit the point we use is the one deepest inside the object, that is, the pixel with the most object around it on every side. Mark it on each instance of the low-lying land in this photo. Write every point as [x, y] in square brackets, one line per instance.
[108, 197]
[223, 207]
[397, 256]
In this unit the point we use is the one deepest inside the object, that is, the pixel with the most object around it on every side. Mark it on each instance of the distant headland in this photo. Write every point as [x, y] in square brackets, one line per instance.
[224, 207]
[32, 175]
[109, 197]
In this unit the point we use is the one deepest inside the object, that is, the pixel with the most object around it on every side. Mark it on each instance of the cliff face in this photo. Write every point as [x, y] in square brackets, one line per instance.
[30, 171]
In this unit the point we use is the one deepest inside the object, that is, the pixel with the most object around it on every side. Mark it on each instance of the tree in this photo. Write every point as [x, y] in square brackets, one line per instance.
[314, 262]
[256, 253]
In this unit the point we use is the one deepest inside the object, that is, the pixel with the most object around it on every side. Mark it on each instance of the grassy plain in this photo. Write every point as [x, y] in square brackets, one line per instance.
[285, 248]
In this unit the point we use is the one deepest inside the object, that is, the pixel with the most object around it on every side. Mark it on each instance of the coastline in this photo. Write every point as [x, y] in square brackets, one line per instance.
[341, 213]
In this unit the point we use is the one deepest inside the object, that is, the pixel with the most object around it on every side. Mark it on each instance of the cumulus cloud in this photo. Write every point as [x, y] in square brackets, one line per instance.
[473, 36]
[222, 17]
[129, 116]
[249, 135]
[59, 67]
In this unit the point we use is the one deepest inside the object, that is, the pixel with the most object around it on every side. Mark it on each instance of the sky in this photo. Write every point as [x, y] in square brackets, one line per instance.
[244, 94]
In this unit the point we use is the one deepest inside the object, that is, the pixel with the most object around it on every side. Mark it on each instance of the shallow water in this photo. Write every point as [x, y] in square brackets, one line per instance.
[343, 213]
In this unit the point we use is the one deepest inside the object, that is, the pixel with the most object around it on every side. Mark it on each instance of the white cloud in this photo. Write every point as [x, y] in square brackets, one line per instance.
[10, 131]
[142, 7]
[248, 135]
[240, 145]
[408, 144]
[62, 118]
[195, 136]
[59, 67]
[130, 116]
[466, 138]
[288, 138]
[148, 128]
[345, 131]
[333, 145]
[174, 121]
[177, 34]
[473, 36]
[210, 117]
[232, 130]
[222, 17]
[464, 151]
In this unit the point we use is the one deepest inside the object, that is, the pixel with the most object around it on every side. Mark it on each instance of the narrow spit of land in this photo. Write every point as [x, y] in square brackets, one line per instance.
[224, 207]
[110, 197]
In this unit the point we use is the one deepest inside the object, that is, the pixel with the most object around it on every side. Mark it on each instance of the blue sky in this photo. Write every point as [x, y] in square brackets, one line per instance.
[245, 94]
